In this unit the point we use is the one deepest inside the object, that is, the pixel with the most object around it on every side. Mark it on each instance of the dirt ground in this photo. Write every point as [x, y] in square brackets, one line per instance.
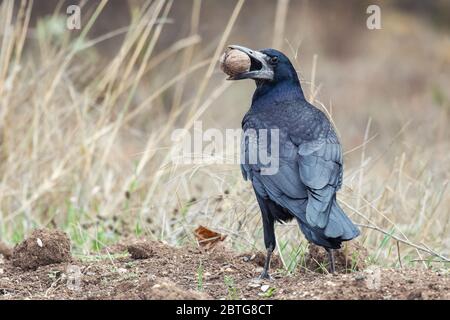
[153, 270]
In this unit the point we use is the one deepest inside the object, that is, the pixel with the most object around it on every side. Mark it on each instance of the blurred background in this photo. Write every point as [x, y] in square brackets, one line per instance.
[86, 118]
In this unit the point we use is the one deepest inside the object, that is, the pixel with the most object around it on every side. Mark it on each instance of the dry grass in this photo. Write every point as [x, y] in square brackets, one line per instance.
[85, 144]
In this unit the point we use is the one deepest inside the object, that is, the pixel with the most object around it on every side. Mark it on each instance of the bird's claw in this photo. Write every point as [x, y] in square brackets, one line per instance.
[264, 276]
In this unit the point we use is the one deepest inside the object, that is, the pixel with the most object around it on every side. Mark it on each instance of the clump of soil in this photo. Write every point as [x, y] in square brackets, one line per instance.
[352, 257]
[141, 250]
[161, 289]
[5, 250]
[41, 248]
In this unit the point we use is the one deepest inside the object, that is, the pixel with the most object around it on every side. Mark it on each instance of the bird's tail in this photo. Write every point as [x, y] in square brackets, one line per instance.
[339, 225]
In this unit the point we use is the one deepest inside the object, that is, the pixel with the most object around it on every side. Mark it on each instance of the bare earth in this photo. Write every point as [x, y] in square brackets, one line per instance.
[154, 270]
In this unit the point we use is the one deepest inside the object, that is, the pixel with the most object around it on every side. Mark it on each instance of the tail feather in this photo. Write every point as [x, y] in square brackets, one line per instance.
[317, 236]
[339, 225]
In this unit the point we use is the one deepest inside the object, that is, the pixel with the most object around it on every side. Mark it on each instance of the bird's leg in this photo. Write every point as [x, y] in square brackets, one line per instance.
[331, 260]
[265, 272]
[269, 234]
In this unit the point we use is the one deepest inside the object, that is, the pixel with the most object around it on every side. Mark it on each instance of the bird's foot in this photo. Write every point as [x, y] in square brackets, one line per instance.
[265, 276]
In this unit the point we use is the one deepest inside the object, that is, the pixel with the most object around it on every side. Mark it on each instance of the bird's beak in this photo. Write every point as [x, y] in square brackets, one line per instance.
[260, 69]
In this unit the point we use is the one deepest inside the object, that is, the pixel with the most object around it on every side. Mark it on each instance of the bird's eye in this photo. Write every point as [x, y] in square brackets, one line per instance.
[274, 60]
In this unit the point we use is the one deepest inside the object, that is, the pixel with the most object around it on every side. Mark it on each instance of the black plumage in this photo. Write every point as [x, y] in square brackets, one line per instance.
[309, 154]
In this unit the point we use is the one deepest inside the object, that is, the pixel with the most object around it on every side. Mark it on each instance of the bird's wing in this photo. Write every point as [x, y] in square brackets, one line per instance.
[320, 167]
[283, 187]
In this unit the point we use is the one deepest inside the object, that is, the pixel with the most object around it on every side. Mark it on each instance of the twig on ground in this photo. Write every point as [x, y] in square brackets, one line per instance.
[424, 249]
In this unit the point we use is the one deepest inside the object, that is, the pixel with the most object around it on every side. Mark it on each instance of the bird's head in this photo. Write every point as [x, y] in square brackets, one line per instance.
[266, 66]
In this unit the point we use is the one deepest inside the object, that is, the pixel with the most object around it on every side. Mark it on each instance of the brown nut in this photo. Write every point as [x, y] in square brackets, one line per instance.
[233, 62]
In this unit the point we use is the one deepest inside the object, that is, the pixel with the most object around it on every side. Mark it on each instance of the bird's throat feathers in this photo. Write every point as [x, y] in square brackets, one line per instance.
[269, 93]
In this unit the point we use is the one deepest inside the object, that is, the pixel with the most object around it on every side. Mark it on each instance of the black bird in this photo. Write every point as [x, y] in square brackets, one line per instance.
[309, 155]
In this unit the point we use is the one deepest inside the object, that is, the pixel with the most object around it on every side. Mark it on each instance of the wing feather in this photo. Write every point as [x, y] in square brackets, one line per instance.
[321, 171]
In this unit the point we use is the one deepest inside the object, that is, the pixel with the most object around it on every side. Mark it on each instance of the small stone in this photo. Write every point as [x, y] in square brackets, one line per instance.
[265, 287]
[254, 284]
